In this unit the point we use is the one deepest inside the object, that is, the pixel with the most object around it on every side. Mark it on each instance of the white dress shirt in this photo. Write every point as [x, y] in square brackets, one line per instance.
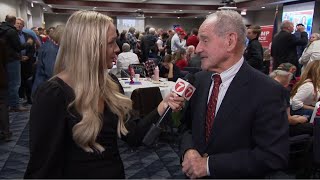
[125, 59]
[305, 96]
[226, 78]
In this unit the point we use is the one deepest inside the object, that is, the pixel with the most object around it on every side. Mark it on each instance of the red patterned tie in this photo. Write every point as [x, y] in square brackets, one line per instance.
[212, 105]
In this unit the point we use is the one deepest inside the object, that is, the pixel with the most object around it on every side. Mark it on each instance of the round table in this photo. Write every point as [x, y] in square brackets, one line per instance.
[165, 86]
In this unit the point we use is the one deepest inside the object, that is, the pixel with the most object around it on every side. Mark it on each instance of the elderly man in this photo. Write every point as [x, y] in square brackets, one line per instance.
[132, 38]
[235, 124]
[284, 46]
[126, 57]
[27, 61]
[148, 45]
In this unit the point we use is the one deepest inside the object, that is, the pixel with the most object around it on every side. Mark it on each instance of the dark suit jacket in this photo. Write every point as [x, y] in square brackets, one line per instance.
[250, 131]
[284, 48]
[254, 54]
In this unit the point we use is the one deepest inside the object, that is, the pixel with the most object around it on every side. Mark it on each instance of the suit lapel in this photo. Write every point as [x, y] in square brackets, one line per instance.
[231, 100]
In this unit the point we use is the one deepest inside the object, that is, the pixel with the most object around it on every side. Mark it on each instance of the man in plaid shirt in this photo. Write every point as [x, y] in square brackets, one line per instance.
[131, 38]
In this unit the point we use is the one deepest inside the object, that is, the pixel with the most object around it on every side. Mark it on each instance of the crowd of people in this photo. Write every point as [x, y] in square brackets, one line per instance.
[236, 125]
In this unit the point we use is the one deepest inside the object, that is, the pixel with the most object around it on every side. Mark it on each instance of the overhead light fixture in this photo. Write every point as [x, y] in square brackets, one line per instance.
[263, 7]
[174, 11]
[50, 5]
[243, 13]
[178, 17]
[150, 16]
[32, 4]
[94, 7]
[139, 9]
[210, 12]
[196, 17]
[180, 10]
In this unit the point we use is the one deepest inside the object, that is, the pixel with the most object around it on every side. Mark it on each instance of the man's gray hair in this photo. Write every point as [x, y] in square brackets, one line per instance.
[229, 21]
[131, 30]
[125, 47]
[20, 19]
[152, 31]
[285, 24]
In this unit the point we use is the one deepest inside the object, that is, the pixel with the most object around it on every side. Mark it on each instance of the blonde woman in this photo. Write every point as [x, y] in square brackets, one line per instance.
[79, 113]
[311, 52]
[306, 92]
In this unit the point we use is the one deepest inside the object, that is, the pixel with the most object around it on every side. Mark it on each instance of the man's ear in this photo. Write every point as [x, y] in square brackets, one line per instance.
[231, 39]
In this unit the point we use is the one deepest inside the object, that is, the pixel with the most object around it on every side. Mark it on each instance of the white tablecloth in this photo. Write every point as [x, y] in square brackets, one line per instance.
[165, 87]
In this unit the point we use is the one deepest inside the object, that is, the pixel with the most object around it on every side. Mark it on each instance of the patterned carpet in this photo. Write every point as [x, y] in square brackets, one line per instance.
[159, 162]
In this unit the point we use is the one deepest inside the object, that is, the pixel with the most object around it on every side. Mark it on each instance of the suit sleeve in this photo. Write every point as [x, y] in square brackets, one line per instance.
[270, 148]
[47, 133]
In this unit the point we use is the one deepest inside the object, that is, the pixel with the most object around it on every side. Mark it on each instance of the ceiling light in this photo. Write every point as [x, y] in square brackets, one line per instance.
[31, 4]
[243, 13]
[139, 9]
[35, 1]
[210, 12]
[180, 10]
[50, 5]
[94, 7]
[195, 17]
[263, 7]
[174, 11]
[178, 17]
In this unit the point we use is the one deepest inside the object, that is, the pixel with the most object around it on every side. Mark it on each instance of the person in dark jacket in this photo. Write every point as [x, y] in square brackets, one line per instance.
[27, 62]
[13, 66]
[148, 45]
[4, 115]
[284, 46]
[254, 51]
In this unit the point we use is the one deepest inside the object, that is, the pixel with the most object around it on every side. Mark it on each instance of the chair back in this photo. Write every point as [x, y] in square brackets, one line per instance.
[145, 100]
[315, 110]
[316, 140]
[139, 69]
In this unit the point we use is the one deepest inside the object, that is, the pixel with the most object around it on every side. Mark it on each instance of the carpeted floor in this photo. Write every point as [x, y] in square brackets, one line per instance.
[158, 162]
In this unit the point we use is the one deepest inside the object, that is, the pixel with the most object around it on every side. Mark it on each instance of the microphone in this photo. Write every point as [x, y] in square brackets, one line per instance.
[183, 88]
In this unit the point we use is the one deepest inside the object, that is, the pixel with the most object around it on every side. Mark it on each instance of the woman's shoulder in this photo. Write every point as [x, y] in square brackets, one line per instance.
[53, 90]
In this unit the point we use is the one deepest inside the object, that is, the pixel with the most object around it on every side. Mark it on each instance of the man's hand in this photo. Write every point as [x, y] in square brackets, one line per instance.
[30, 41]
[24, 58]
[194, 165]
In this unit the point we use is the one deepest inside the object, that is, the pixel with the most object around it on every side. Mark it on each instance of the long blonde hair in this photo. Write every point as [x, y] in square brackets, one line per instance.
[311, 72]
[82, 55]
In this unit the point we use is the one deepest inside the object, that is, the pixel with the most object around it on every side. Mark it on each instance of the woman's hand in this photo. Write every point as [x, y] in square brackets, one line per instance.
[173, 100]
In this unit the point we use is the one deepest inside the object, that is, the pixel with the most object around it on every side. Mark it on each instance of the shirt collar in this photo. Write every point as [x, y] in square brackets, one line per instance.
[231, 72]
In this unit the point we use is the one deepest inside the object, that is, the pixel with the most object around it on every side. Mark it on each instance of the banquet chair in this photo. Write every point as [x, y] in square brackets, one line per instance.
[145, 100]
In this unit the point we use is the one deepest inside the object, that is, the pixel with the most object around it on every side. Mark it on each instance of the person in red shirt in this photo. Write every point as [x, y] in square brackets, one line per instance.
[181, 59]
[193, 39]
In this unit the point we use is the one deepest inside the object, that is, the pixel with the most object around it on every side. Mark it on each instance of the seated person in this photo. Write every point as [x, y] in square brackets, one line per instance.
[292, 69]
[190, 52]
[169, 70]
[306, 92]
[126, 57]
[298, 124]
[181, 59]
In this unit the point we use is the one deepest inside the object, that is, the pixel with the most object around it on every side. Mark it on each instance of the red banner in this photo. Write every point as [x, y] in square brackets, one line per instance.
[266, 35]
